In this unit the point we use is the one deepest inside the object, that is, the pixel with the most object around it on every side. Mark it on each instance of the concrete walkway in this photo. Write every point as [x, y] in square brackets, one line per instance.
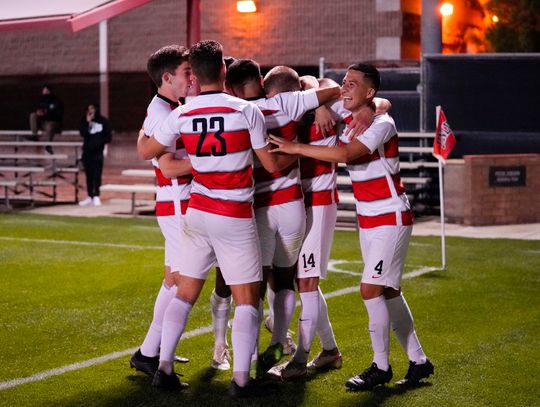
[423, 227]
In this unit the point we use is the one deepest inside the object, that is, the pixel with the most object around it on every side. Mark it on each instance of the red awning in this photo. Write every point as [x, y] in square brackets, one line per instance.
[69, 14]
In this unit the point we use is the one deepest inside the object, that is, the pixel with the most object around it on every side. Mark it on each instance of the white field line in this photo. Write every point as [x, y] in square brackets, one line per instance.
[81, 243]
[191, 334]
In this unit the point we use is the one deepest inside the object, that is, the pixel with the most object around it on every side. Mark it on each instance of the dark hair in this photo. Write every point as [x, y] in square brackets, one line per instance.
[165, 59]
[206, 58]
[228, 61]
[370, 73]
[281, 79]
[241, 71]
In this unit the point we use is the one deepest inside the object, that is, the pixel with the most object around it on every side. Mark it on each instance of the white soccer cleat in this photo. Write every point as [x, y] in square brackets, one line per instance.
[86, 202]
[326, 361]
[222, 358]
[291, 370]
[289, 346]
[96, 201]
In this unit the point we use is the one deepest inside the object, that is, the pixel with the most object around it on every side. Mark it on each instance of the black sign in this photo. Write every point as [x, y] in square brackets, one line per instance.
[507, 176]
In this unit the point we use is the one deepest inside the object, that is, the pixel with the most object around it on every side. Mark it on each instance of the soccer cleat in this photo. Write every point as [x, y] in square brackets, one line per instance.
[180, 359]
[269, 358]
[86, 202]
[96, 201]
[146, 364]
[222, 358]
[369, 378]
[249, 390]
[289, 347]
[291, 370]
[168, 382]
[416, 373]
[326, 360]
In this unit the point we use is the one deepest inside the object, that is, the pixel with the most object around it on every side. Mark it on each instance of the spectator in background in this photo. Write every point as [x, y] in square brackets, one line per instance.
[47, 116]
[95, 131]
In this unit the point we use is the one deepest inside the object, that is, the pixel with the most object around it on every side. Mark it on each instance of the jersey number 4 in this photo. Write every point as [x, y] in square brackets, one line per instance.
[216, 125]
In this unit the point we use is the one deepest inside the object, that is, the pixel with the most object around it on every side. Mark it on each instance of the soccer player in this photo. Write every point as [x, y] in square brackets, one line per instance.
[220, 133]
[279, 206]
[385, 224]
[169, 69]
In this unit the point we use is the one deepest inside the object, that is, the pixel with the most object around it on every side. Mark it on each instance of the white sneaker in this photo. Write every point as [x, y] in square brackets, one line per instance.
[222, 358]
[86, 202]
[96, 201]
[291, 370]
[326, 360]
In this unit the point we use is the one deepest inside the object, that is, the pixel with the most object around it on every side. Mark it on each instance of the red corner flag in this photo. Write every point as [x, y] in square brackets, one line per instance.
[444, 137]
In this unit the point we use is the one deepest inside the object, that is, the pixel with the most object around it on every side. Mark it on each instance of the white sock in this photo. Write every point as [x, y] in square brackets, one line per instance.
[174, 323]
[244, 337]
[307, 323]
[221, 311]
[271, 296]
[324, 327]
[401, 321]
[284, 304]
[379, 330]
[150, 345]
[255, 354]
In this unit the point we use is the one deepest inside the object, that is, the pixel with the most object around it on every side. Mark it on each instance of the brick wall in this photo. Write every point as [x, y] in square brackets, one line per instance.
[471, 200]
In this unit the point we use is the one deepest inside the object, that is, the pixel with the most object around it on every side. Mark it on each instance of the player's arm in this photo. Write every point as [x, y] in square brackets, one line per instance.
[335, 154]
[382, 105]
[274, 162]
[148, 147]
[172, 167]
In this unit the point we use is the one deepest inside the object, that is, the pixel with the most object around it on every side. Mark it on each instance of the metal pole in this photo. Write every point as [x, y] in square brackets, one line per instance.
[321, 67]
[193, 22]
[431, 33]
[103, 69]
[441, 199]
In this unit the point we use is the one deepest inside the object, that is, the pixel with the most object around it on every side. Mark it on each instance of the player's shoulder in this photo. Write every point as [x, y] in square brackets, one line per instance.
[384, 121]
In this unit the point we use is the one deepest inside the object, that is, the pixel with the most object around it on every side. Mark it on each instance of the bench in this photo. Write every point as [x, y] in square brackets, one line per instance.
[133, 189]
[139, 173]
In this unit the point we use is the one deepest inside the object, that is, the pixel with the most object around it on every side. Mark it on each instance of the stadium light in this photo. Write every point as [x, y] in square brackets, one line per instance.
[495, 19]
[246, 6]
[447, 9]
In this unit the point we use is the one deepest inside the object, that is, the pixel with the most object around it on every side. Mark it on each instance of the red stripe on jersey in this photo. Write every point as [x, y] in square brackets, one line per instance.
[311, 167]
[348, 119]
[320, 198]
[287, 131]
[163, 181]
[221, 207]
[179, 144]
[165, 208]
[364, 158]
[208, 110]
[235, 141]
[387, 219]
[309, 135]
[377, 188]
[278, 197]
[261, 175]
[268, 112]
[391, 148]
[225, 180]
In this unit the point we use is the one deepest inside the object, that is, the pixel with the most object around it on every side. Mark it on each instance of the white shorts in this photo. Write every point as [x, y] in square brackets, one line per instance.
[233, 242]
[281, 232]
[384, 249]
[315, 252]
[171, 228]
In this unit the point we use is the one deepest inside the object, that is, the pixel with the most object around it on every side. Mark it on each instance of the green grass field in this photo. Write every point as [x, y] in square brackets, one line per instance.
[77, 289]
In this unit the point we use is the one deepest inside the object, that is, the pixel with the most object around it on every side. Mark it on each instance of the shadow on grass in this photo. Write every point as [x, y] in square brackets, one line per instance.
[380, 394]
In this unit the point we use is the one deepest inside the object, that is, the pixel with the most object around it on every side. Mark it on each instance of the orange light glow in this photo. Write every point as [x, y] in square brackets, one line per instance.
[244, 6]
[495, 19]
[447, 9]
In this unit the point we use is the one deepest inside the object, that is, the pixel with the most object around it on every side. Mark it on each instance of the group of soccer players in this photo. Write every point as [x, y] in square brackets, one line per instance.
[247, 183]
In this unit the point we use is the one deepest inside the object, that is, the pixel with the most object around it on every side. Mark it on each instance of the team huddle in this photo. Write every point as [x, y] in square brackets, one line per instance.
[246, 175]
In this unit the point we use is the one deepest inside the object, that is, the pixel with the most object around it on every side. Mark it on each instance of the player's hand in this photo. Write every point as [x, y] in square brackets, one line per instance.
[141, 135]
[324, 121]
[360, 122]
[282, 145]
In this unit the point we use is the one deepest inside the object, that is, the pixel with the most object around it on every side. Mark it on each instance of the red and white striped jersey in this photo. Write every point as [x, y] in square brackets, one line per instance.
[318, 177]
[379, 193]
[169, 190]
[219, 132]
[282, 113]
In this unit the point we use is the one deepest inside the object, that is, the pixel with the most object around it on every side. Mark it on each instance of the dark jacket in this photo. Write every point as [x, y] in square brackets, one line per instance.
[96, 134]
[52, 107]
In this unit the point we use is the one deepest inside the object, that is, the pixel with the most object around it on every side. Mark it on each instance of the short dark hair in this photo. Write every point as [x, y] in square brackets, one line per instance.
[206, 58]
[228, 61]
[241, 71]
[281, 79]
[165, 59]
[370, 73]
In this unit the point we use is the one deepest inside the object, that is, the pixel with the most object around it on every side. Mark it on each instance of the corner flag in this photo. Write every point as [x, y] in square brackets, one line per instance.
[444, 137]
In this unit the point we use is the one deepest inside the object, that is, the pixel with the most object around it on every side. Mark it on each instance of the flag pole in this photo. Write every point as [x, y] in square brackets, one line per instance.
[441, 199]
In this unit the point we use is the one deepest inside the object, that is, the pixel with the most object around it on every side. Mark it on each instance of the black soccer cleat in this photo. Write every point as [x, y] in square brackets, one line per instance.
[146, 364]
[416, 373]
[168, 382]
[252, 389]
[269, 358]
[369, 378]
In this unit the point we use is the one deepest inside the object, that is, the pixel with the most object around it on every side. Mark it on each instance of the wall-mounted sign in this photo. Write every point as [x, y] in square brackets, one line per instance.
[507, 176]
